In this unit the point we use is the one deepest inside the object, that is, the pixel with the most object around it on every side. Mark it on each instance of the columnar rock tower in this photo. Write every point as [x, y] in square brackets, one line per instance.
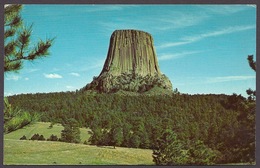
[131, 65]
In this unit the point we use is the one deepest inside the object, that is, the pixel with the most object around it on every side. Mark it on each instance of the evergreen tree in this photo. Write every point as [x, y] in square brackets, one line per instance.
[126, 128]
[17, 40]
[251, 62]
[96, 136]
[200, 154]
[169, 150]
[134, 141]
[71, 132]
[16, 49]
[116, 136]
[251, 93]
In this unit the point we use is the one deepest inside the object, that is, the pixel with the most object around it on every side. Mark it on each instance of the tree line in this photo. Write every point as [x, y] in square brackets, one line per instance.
[224, 124]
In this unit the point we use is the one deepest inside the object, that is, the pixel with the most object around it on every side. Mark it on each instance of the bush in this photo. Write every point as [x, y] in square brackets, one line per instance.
[53, 138]
[51, 125]
[41, 138]
[23, 138]
[38, 137]
[35, 137]
[85, 142]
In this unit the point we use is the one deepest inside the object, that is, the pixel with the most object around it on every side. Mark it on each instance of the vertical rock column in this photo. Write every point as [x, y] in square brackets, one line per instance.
[131, 51]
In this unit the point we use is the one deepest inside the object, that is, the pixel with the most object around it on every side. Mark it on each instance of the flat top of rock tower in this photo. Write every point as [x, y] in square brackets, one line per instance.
[130, 30]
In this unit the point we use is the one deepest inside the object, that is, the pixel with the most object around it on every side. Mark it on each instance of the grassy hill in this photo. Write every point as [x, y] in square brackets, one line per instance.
[27, 152]
[42, 128]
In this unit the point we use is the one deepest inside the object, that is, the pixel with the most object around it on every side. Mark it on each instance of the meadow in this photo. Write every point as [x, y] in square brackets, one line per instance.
[28, 152]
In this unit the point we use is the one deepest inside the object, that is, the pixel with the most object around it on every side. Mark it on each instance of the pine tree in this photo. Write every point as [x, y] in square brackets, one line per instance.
[71, 132]
[169, 150]
[17, 40]
[116, 136]
[251, 62]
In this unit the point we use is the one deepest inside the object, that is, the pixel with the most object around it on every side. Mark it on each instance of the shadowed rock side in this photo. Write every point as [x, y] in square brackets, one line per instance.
[131, 65]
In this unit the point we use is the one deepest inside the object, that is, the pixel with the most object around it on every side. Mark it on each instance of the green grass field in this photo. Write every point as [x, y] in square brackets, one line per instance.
[27, 152]
[43, 129]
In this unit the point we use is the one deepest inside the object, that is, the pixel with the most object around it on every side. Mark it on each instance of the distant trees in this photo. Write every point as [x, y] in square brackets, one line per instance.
[242, 139]
[17, 40]
[171, 150]
[218, 123]
[246, 136]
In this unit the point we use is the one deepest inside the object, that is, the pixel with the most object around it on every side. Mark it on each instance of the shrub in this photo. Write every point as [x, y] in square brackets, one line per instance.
[38, 137]
[51, 125]
[41, 138]
[53, 138]
[23, 138]
[35, 137]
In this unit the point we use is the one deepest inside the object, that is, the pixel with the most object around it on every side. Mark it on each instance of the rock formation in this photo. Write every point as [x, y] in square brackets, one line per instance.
[131, 65]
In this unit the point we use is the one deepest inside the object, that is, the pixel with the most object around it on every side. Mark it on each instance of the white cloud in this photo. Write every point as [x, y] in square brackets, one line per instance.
[224, 31]
[178, 20]
[102, 8]
[224, 9]
[164, 57]
[153, 22]
[172, 44]
[228, 79]
[26, 78]
[32, 70]
[52, 76]
[195, 38]
[95, 64]
[74, 74]
[13, 77]
[69, 87]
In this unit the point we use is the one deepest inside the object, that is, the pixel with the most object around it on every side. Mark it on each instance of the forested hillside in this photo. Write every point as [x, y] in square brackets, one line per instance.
[224, 124]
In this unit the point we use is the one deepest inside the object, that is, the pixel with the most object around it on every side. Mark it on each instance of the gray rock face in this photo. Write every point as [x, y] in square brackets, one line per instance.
[131, 65]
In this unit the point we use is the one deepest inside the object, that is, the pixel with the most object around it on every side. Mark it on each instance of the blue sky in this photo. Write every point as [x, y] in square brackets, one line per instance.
[201, 48]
